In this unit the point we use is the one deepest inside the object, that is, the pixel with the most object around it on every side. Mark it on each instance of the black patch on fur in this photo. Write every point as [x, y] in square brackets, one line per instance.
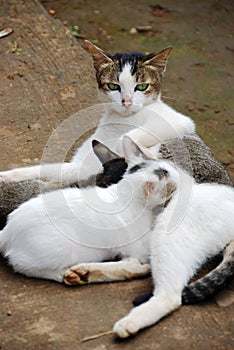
[131, 58]
[161, 173]
[142, 298]
[118, 257]
[3, 221]
[113, 172]
[137, 167]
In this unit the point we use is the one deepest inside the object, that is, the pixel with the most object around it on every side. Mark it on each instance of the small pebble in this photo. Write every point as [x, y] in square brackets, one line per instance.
[190, 108]
[133, 31]
[51, 12]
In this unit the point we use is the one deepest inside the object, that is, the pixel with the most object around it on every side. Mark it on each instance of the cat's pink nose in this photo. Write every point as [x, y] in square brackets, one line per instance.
[126, 102]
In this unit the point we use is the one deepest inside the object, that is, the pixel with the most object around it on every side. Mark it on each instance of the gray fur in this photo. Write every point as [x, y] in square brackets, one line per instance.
[12, 194]
[194, 156]
[213, 281]
[206, 286]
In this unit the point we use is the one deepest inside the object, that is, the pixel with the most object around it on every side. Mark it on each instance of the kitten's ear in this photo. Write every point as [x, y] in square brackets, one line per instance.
[103, 153]
[158, 60]
[131, 150]
[99, 56]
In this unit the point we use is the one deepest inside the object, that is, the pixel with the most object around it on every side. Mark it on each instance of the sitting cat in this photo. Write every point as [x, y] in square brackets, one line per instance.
[131, 82]
[178, 248]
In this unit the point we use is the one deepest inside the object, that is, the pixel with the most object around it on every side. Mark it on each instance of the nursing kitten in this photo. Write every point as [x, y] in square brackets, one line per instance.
[54, 231]
[179, 248]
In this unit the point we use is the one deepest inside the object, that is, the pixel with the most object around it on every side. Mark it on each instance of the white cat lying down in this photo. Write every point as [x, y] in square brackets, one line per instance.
[52, 232]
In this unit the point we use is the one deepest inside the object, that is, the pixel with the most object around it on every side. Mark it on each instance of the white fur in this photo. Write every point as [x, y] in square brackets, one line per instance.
[50, 233]
[176, 254]
[110, 271]
[55, 231]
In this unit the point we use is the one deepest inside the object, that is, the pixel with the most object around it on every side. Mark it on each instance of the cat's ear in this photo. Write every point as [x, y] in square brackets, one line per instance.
[131, 150]
[103, 153]
[158, 60]
[99, 56]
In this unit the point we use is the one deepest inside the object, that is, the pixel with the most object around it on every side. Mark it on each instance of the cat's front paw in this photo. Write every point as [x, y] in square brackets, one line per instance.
[126, 327]
[10, 176]
[76, 275]
[5, 176]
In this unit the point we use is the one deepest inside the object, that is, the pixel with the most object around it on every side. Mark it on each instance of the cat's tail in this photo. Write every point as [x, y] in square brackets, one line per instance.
[211, 283]
[206, 286]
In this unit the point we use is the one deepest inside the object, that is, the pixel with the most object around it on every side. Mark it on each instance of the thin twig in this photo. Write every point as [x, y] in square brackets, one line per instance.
[96, 336]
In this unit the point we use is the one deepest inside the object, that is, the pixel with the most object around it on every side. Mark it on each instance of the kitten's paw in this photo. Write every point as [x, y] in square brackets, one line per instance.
[126, 327]
[76, 275]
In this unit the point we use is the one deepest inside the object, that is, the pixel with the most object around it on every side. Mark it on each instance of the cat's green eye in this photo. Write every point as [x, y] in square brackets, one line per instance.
[113, 86]
[141, 87]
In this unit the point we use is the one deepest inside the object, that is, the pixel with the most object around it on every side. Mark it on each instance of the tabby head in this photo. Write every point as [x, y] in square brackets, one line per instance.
[130, 80]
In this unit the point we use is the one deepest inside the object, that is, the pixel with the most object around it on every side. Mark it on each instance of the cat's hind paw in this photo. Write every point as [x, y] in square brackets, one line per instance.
[76, 275]
[126, 327]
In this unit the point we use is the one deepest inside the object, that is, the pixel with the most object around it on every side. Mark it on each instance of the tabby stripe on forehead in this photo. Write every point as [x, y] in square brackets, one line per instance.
[133, 63]
[134, 67]
[131, 58]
